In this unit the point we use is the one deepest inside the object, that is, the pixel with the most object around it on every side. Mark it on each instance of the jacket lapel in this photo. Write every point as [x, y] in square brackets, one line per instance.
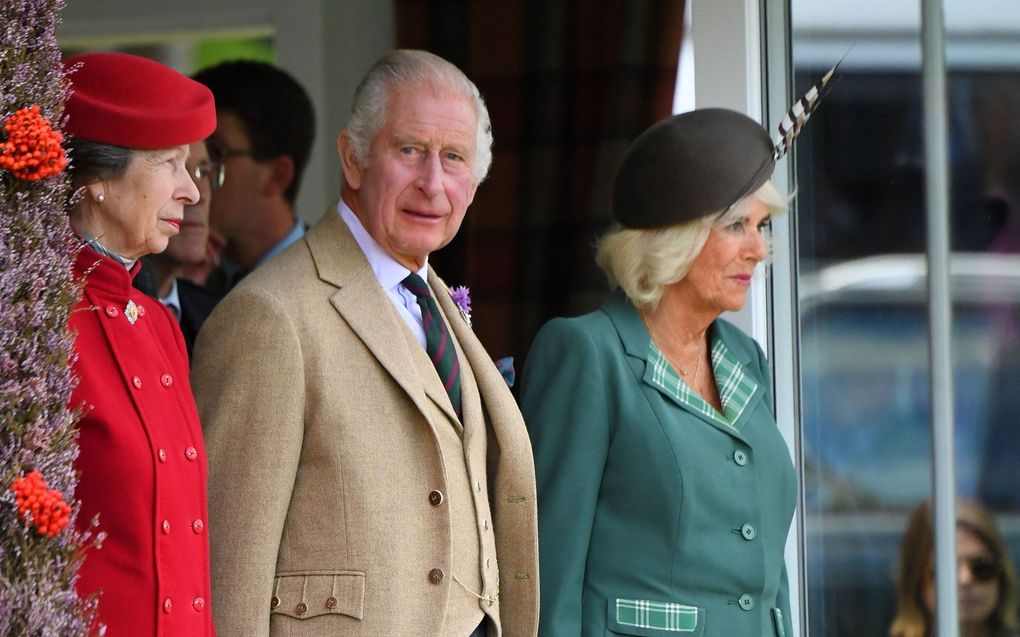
[361, 302]
[636, 340]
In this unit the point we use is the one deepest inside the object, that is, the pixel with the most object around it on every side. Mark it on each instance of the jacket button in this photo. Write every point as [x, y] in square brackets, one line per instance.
[331, 602]
[746, 602]
[478, 486]
[198, 604]
[749, 532]
[162, 455]
[197, 526]
[137, 382]
[190, 453]
[166, 527]
[740, 457]
[167, 380]
[436, 575]
[274, 603]
[485, 525]
[112, 311]
[436, 498]
[301, 608]
[141, 311]
[167, 605]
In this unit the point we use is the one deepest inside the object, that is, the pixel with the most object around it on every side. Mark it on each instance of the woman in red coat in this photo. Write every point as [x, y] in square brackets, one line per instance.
[142, 460]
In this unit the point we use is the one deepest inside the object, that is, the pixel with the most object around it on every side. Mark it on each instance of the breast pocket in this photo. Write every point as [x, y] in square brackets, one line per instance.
[647, 618]
[308, 594]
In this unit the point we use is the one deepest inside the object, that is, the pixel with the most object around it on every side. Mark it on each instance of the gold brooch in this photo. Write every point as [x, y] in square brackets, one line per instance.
[131, 312]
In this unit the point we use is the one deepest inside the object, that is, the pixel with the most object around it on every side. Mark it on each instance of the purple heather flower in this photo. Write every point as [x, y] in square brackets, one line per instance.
[462, 297]
[37, 431]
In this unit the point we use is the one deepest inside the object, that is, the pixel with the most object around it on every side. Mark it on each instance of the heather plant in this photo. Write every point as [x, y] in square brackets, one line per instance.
[40, 550]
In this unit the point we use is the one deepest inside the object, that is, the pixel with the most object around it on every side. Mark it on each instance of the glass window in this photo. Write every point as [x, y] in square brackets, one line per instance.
[865, 372]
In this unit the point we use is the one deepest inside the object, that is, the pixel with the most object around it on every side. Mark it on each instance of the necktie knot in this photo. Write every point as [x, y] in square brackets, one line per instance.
[416, 286]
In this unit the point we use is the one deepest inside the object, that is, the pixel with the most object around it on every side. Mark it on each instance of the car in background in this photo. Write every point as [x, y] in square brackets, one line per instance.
[866, 419]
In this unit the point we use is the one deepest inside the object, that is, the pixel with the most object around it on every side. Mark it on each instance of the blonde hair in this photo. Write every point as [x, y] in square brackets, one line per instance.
[643, 263]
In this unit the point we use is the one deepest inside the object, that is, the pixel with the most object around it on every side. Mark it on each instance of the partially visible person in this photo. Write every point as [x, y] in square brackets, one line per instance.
[665, 489]
[987, 582]
[199, 273]
[264, 133]
[370, 473]
[142, 462]
[190, 303]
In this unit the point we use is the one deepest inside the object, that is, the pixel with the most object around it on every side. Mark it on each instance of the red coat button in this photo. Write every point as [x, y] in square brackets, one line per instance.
[112, 311]
[166, 527]
[197, 526]
[198, 604]
[190, 453]
[162, 455]
[141, 311]
[167, 380]
[137, 382]
[167, 605]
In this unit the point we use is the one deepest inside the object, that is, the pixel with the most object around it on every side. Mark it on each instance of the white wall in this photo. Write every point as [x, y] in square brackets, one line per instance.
[326, 44]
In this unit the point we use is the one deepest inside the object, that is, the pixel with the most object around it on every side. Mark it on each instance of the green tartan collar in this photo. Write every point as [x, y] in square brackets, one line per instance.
[736, 389]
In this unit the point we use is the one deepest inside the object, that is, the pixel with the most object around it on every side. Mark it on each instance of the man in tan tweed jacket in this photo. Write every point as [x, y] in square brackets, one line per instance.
[346, 494]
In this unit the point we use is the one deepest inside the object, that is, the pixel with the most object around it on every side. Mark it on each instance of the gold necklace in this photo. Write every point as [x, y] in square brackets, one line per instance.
[697, 366]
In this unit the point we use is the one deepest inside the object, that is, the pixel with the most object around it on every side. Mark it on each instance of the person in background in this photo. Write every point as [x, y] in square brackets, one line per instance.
[665, 489]
[370, 471]
[987, 586]
[264, 133]
[190, 303]
[142, 463]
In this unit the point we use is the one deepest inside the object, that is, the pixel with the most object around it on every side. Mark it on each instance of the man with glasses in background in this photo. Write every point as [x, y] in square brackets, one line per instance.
[265, 126]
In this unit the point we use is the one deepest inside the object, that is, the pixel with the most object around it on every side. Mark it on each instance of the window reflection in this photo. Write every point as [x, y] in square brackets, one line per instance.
[863, 303]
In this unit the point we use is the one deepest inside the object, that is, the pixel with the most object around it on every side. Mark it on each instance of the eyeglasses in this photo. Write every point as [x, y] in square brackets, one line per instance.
[225, 152]
[982, 569]
[213, 170]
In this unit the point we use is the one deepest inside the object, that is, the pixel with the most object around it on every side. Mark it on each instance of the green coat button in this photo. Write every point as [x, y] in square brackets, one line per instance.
[740, 457]
[746, 602]
[749, 532]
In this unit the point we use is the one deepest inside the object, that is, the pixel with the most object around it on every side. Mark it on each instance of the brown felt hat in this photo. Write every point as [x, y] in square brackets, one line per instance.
[690, 165]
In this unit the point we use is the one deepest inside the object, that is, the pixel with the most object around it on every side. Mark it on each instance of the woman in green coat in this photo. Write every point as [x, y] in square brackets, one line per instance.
[665, 490]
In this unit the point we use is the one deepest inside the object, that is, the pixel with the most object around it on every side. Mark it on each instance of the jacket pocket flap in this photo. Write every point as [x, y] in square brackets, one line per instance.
[654, 619]
[307, 594]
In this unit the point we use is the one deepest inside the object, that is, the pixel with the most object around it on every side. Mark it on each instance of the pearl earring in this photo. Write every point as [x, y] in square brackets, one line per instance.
[100, 197]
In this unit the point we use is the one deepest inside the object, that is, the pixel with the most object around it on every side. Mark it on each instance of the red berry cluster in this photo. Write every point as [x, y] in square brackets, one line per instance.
[32, 150]
[50, 513]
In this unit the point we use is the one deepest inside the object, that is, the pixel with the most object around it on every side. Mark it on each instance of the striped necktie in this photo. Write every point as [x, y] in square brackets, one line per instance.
[438, 345]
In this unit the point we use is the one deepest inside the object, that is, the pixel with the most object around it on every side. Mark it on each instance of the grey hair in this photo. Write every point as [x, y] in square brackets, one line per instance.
[409, 67]
[644, 262]
[92, 161]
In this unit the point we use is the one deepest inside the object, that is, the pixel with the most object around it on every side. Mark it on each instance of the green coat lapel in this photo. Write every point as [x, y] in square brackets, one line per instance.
[636, 340]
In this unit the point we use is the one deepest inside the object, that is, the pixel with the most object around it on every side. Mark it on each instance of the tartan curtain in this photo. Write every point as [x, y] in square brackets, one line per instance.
[568, 83]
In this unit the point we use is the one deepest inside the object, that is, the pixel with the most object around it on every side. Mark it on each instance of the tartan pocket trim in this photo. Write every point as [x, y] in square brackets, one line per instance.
[665, 616]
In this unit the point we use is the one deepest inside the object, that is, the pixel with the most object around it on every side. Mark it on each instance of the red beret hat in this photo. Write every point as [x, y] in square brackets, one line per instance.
[135, 102]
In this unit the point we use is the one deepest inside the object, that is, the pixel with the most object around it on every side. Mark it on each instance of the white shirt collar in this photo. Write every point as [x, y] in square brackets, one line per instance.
[388, 271]
[172, 299]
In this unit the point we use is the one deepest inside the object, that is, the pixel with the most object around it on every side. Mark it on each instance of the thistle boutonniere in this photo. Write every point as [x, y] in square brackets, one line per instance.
[462, 298]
